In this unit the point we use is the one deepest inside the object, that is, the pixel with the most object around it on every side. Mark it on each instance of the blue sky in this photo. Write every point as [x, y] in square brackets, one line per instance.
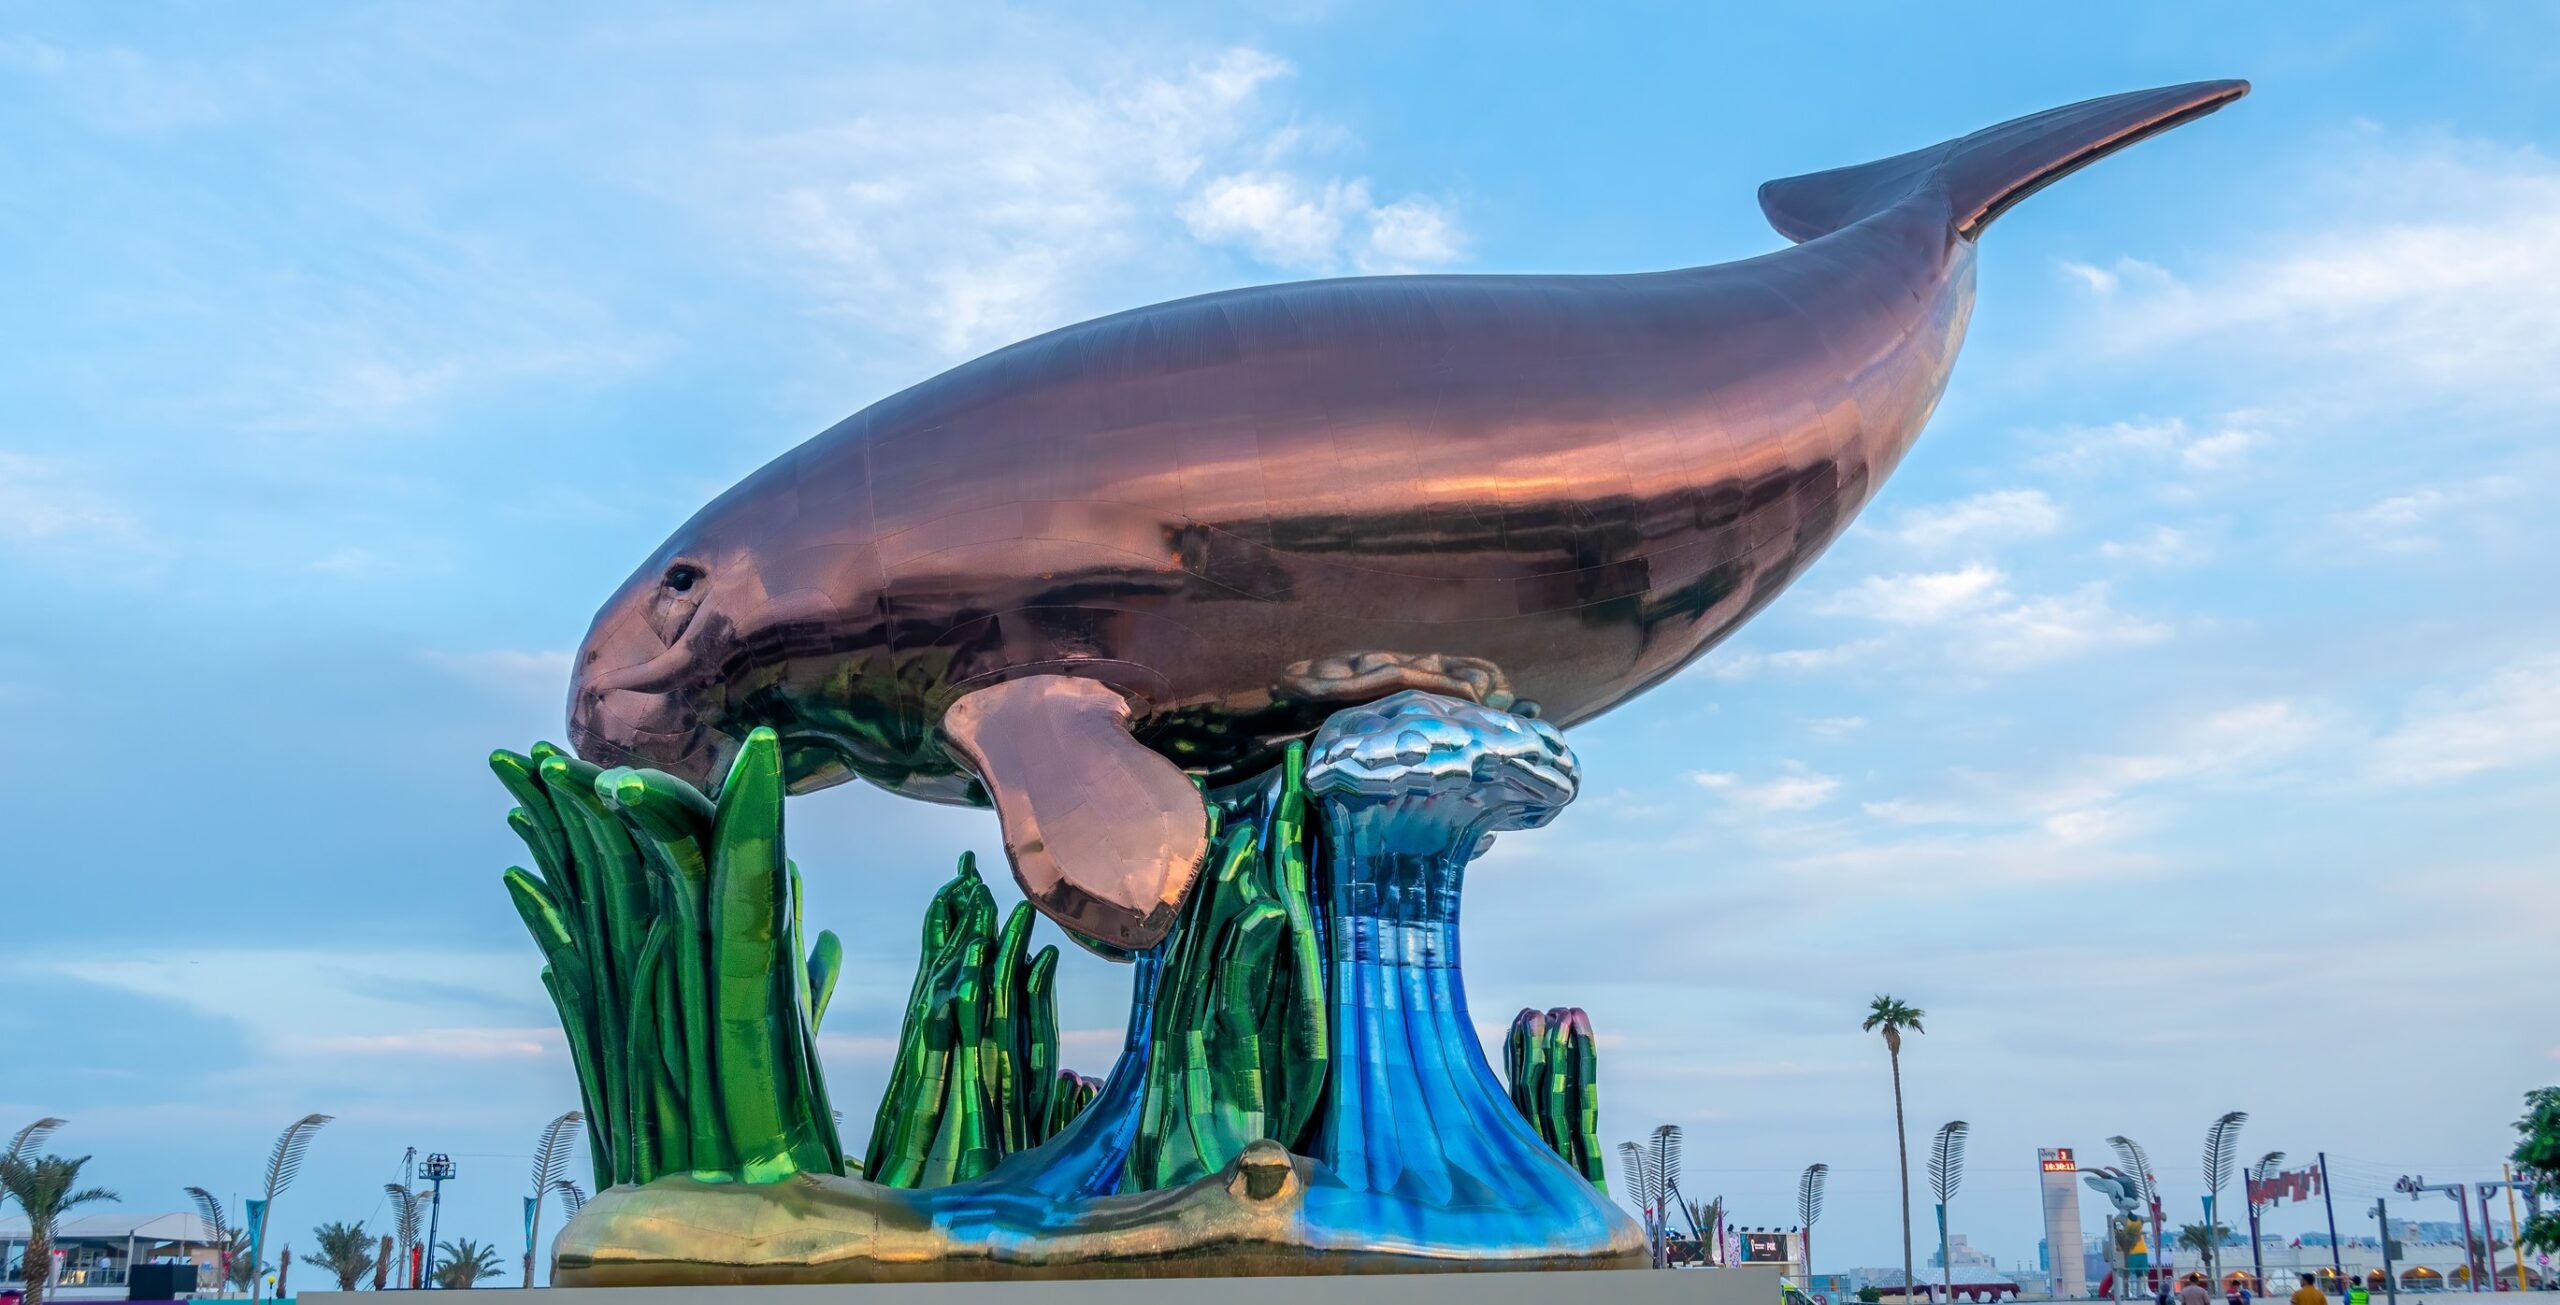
[2181, 726]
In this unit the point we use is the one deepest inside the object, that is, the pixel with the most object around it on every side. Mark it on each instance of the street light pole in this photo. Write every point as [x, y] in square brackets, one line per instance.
[2337, 1257]
[2515, 1231]
[439, 1168]
[2489, 1234]
[2382, 1224]
[2417, 1185]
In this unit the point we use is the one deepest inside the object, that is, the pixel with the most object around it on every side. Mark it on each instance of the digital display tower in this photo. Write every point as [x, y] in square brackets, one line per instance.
[2061, 1178]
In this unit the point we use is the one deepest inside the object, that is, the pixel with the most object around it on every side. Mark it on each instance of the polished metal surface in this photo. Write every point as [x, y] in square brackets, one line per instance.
[1054, 755]
[1246, 510]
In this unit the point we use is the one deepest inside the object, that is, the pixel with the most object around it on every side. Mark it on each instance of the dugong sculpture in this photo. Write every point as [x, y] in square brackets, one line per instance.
[1172, 540]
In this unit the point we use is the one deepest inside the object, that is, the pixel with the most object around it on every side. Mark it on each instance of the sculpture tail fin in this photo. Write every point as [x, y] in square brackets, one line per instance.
[1979, 176]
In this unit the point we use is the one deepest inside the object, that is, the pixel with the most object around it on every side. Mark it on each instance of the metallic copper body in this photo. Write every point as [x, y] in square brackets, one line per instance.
[1246, 510]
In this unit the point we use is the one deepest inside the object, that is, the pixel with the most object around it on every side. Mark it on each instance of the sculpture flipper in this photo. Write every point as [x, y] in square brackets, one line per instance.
[1104, 835]
[1978, 177]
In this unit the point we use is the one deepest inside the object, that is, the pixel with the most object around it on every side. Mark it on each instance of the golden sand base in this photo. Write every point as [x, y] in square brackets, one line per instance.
[1249, 1220]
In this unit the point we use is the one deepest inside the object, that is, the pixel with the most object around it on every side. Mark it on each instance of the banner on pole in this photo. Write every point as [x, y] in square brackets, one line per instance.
[257, 1210]
[2294, 1185]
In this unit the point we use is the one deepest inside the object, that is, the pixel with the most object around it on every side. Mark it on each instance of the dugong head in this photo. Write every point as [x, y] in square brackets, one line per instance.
[664, 678]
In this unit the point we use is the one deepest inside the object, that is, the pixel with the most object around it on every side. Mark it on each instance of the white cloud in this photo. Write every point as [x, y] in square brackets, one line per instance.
[1920, 598]
[1278, 218]
[2435, 273]
[2416, 520]
[1984, 518]
[2510, 719]
[2083, 801]
[1294, 222]
[2158, 546]
[2099, 280]
[40, 503]
[973, 227]
[1743, 663]
[1412, 233]
[1798, 789]
[439, 1044]
[2171, 445]
[1832, 727]
[306, 1007]
[1987, 626]
[2050, 628]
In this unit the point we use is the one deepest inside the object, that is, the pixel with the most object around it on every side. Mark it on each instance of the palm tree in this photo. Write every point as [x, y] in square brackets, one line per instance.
[2202, 1238]
[464, 1263]
[550, 1169]
[1946, 1174]
[45, 1188]
[2221, 1152]
[1706, 1218]
[1809, 1209]
[1891, 1016]
[284, 1161]
[345, 1251]
[23, 1147]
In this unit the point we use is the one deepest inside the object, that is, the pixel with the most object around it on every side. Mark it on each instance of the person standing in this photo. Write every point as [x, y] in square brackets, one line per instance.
[2192, 1292]
[2309, 1293]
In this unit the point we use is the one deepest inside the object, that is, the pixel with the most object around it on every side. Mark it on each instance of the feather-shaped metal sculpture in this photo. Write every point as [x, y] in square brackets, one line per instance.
[1946, 1160]
[22, 1148]
[1664, 1160]
[551, 1153]
[408, 1213]
[2137, 1166]
[550, 1167]
[571, 1195]
[2220, 1155]
[209, 1209]
[1946, 1174]
[2259, 1173]
[1809, 1207]
[1638, 1168]
[285, 1160]
[2260, 1198]
[2221, 1144]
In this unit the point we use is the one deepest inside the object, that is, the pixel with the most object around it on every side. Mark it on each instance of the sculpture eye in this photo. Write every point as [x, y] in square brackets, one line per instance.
[681, 577]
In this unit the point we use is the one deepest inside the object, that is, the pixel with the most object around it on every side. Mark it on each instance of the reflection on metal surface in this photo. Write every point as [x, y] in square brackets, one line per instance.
[1330, 1023]
[1073, 788]
[1245, 510]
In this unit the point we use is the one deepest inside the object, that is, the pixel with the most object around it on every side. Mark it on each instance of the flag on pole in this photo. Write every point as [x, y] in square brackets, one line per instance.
[257, 1233]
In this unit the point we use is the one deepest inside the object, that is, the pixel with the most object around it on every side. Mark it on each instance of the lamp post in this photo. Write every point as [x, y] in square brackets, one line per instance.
[439, 1167]
[2418, 1185]
[2382, 1224]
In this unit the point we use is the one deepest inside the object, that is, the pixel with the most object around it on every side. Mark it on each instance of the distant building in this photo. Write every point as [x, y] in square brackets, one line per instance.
[95, 1254]
[1963, 1255]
